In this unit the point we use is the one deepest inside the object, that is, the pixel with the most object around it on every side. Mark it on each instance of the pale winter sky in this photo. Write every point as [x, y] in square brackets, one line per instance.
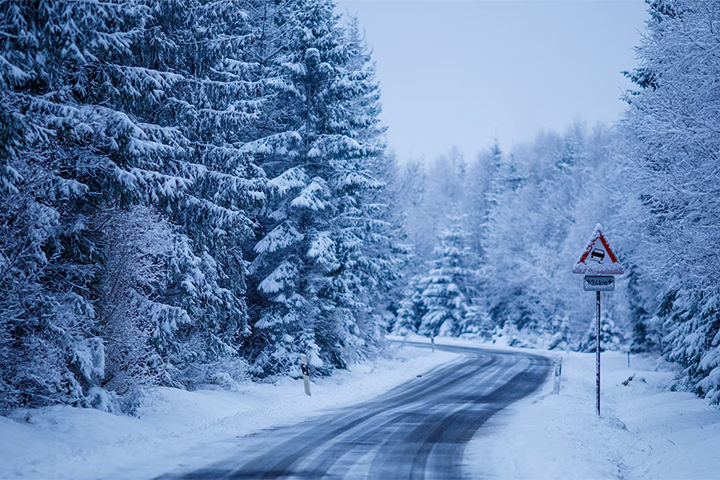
[462, 72]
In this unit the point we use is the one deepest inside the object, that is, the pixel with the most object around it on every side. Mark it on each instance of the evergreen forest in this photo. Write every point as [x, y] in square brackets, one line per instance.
[196, 192]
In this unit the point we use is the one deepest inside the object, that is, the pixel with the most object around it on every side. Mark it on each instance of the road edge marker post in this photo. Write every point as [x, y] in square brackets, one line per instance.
[558, 373]
[306, 373]
[600, 265]
[432, 343]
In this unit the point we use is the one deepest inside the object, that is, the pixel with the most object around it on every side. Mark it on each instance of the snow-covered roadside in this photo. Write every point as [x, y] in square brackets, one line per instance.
[180, 428]
[644, 432]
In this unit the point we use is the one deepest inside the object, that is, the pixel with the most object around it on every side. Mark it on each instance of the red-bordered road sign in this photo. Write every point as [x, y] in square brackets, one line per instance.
[598, 258]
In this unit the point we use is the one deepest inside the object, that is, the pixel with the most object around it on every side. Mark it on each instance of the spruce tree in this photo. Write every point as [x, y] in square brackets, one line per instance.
[213, 104]
[69, 153]
[611, 338]
[449, 285]
[310, 273]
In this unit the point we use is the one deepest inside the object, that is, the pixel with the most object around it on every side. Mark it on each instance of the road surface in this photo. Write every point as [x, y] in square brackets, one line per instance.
[418, 430]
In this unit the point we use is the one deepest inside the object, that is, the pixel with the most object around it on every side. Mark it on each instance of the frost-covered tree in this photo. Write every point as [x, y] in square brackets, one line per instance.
[483, 186]
[133, 273]
[542, 203]
[214, 103]
[448, 288]
[379, 220]
[313, 264]
[645, 336]
[412, 308]
[672, 143]
[611, 338]
[111, 105]
[432, 187]
[71, 149]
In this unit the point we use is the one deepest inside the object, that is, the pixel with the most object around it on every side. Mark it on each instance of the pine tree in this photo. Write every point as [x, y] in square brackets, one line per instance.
[214, 105]
[377, 223]
[412, 308]
[448, 294]
[72, 151]
[132, 273]
[310, 273]
[110, 106]
[484, 188]
[542, 201]
[611, 338]
[645, 337]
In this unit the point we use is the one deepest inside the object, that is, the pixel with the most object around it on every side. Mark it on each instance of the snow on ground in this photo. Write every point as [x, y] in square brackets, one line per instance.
[179, 428]
[645, 431]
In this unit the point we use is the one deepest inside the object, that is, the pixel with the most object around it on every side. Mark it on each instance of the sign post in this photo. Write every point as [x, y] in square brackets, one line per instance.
[597, 352]
[599, 264]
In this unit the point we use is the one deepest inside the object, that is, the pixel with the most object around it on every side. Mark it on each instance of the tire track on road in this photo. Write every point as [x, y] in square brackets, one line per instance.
[418, 430]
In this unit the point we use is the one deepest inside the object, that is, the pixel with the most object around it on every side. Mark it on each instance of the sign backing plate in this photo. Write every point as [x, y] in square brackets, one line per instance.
[602, 283]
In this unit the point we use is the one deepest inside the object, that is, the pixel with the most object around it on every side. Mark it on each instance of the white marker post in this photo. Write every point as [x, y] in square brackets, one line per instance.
[558, 374]
[599, 264]
[306, 373]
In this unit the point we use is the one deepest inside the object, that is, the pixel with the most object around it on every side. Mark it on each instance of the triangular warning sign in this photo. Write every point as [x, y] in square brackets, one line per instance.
[598, 258]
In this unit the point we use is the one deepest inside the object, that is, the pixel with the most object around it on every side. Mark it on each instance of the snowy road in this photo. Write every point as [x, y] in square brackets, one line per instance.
[417, 430]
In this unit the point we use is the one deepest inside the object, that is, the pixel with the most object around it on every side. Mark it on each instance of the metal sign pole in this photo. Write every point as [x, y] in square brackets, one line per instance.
[597, 351]
[599, 264]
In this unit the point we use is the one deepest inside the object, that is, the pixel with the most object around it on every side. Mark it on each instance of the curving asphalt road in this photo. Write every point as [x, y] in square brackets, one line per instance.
[418, 430]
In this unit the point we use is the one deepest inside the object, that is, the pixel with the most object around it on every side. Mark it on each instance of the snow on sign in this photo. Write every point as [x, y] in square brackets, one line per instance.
[598, 258]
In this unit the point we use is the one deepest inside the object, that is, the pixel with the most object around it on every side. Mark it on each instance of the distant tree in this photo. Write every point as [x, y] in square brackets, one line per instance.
[542, 203]
[611, 338]
[449, 285]
[645, 335]
[412, 308]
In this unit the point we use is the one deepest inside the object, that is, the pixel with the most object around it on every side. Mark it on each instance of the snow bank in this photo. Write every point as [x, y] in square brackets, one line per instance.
[644, 432]
[179, 428]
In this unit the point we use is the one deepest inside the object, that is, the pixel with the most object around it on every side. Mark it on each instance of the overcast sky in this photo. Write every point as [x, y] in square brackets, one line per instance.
[458, 73]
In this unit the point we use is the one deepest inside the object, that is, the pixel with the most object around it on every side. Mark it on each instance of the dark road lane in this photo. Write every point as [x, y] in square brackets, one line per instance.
[418, 430]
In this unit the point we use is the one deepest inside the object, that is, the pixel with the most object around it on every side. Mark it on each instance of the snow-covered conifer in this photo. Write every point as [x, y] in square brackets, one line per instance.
[611, 337]
[72, 149]
[449, 285]
[672, 145]
[311, 274]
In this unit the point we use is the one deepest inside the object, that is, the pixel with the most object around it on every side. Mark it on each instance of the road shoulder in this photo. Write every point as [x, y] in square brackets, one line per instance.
[645, 431]
[177, 428]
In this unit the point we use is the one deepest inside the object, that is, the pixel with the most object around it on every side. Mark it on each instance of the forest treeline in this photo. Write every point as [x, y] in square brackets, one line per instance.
[194, 192]
[503, 230]
[190, 195]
